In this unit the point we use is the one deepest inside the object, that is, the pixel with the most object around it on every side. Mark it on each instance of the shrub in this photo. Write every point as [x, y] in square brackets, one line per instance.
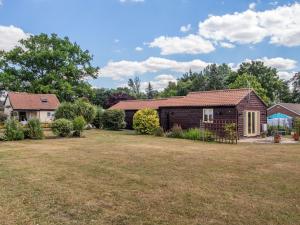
[85, 109]
[66, 110]
[159, 132]
[62, 127]
[78, 126]
[98, 120]
[34, 129]
[13, 130]
[113, 119]
[145, 121]
[297, 125]
[80, 108]
[192, 134]
[230, 131]
[3, 117]
[176, 132]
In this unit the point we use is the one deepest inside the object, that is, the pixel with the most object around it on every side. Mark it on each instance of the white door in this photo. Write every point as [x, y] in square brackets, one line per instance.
[251, 123]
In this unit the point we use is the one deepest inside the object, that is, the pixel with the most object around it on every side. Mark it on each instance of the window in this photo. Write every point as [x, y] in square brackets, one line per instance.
[49, 114]
[208, 115]
[44, 100]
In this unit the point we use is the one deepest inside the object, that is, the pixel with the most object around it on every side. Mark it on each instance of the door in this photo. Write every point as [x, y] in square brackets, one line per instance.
[252, 123]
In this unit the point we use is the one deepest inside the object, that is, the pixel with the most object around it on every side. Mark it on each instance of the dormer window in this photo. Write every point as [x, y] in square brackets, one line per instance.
[44, 100]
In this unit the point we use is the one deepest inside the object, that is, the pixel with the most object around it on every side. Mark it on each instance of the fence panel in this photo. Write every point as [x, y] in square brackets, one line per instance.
[222, 131]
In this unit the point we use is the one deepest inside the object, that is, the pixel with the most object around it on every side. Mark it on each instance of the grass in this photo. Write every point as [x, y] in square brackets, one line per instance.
[120, 178]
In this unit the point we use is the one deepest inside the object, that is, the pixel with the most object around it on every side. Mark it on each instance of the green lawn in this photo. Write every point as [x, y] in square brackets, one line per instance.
[121, 178]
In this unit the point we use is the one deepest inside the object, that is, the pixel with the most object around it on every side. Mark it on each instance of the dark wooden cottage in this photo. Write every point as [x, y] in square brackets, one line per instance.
[240, 106]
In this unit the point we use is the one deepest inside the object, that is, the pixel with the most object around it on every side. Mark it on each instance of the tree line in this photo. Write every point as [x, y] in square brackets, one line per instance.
[50, 64]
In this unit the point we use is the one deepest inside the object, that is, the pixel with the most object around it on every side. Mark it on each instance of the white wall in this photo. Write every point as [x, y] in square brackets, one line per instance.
[44, 117]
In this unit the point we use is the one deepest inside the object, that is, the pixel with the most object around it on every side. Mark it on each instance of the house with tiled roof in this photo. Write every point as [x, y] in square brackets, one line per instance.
[25, 106]
[241, 106]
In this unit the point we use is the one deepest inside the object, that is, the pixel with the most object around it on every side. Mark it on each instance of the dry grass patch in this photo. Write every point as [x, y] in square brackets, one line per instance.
[119, 178]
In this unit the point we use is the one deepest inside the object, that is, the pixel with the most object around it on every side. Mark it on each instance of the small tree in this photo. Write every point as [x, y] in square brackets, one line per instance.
[13, 130]
[297, 125]
[145, 121]
[3, 117]
[79, 108]
[78, 126]
[62, 127]
[34, 129]
[66, 110]
[98, 120]
[114, 119]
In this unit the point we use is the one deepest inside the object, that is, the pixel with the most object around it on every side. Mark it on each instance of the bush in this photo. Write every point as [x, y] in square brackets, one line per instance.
[3, 117]
[98, 120]
[176, 132]
[297, 125]
[78, 126]
[34, 129]
[80, 108]
[192, 134]
[145, 121]
[85, 109]
[66, 110]
[62, 127]
[230, 131]
[13, 130]
[113, 119]
[159, 132]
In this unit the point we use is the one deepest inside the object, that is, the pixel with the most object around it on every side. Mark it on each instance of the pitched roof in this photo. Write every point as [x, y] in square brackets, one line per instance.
[228, 97]
[290, 106]
[28, 101]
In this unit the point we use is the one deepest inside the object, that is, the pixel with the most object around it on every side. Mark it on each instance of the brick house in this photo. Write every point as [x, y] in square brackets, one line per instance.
[242, 106]
[289, 109]
[25, 106]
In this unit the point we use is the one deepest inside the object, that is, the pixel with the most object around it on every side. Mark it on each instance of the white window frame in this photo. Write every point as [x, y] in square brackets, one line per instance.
[208, 112]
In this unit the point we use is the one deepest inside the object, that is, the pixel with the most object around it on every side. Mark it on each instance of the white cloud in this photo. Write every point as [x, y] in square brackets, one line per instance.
[285, 75]
[160, 82]
[1, 2]
[139, 49]
[227, 45]
[279, 63]
[252, 5]
[121, 69]
[191, 44]
[186, 28]
[281, 25]
[9, 37]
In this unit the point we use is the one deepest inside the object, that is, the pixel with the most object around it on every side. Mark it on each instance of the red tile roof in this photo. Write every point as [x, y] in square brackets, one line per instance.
[228, 97]
[28, 101]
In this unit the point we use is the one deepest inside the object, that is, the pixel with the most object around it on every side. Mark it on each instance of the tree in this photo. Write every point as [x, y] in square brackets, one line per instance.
[276, 88]
[135, 86]
[48, 64]
[216, 76]
[250, 81]
[296, 88]
[115, 98]
[149, 91]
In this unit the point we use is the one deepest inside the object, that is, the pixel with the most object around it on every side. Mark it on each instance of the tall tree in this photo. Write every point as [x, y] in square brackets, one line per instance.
[268, 78]
[296, 88]
[149, 91]
[135, 86]
[47, 64]
[250, 81]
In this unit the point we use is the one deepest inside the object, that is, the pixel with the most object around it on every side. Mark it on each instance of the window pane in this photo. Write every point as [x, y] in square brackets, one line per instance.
[253, 123]
[249, 122]
[210, 117]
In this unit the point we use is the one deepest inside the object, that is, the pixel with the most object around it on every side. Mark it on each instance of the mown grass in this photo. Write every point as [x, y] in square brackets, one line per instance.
[119, 178]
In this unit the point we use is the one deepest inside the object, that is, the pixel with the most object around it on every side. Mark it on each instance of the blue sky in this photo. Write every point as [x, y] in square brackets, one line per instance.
[160, 39]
